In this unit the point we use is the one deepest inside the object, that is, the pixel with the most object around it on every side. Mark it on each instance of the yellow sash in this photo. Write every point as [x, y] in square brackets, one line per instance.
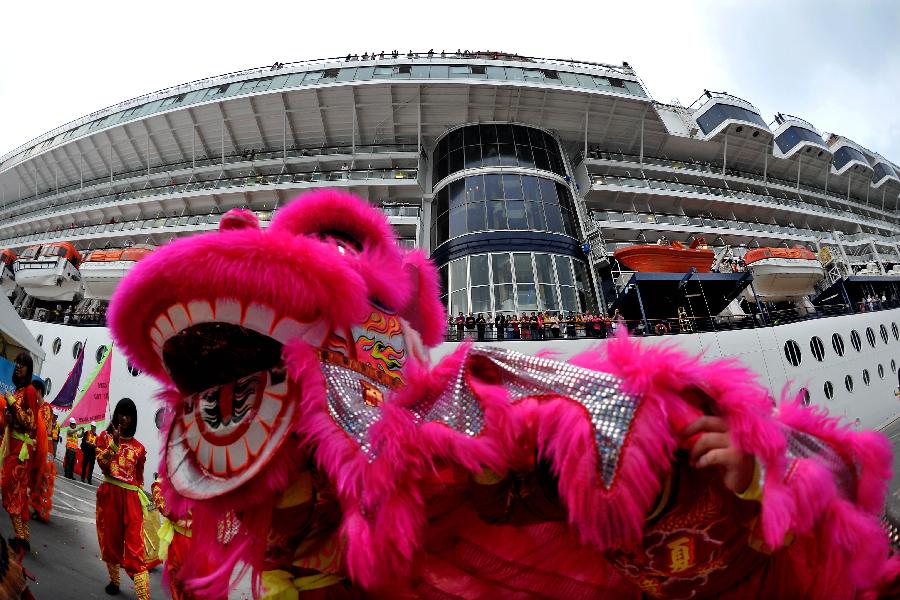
[281, 585]
[26, 441]
[166, 533]
[145, 501]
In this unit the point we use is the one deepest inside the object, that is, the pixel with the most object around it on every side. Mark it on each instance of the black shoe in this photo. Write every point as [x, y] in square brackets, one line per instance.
[111, 589]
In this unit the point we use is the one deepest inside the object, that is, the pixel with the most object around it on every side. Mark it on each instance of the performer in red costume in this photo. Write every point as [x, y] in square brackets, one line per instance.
[42, 493]
[121, 501]
[174, 541]
[25, 452]
[312, 442]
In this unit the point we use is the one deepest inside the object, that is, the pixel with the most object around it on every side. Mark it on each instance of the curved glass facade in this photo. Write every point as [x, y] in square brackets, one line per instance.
[713, 117]
[882, 170]
[499, 145]
[515, 282]
[506, 201]
[845, 154]
[793, 135]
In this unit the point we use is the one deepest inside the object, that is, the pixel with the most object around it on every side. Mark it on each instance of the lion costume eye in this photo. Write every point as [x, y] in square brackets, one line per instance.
[346, 244]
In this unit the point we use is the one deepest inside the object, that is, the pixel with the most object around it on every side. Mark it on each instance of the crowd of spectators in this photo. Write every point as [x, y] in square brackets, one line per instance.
[535, 325]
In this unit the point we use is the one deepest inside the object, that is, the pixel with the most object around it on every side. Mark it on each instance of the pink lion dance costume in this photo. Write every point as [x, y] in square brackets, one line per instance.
[312, 443]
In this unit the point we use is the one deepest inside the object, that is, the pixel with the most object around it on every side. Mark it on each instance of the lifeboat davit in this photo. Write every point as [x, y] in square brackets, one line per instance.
[783, 274]
[50, 272]
[7, 275]
[672, 257]
[102, 270]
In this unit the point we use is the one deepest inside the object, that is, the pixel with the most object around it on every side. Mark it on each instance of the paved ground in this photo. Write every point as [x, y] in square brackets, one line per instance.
[65, 557]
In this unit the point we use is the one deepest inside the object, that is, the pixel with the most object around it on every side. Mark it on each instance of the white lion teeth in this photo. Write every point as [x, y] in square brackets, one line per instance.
[228, 311]
[258, 318]
[237, 455]
[200, 311]
[269, 409]
[179, 317]
[219, 464]
[278, 391]
[164, 325]
[256, 437]
[286, 329]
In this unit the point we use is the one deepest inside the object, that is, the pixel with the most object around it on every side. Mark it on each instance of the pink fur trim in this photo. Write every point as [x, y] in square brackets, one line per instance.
[424, 311]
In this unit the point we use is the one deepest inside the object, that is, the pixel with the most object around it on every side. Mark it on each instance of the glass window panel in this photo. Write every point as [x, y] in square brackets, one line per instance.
[442, 230]
[531, 188]
[515, 74]
[585, 81]
[541, 160]
[458, 302]
[535, 214]
[504, 299]
[548, 190]
[496, 73]
[536, 136]
[524, 272]
[477, 217]
[457, 221]
[569, 299]
[501, 267]
[496, 214]
[458, 279]
[490, 155]
[543, 263]
[520, 135]
[474, 188]
[515, 214]
[527, 297]
[459, 71]
[493, 187]
[505, 134]
[444, 274]
[440, 71]
[478, 270]
[364, 73]
[473, 157]
[581, 275]
[488, 133]
[547, 294]
[481, 299]
[347, 74]
[440, 201]
[419, 71]
[569, 224]
[456, 139]
[569, 79]
[564, 271]
[508, 155]
[472, 136]
[457, 192]
[554, 218]
[512, 186]
[457, 162]
[525, 156]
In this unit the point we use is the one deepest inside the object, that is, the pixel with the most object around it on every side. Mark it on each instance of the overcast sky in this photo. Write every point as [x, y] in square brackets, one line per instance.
[835, 63]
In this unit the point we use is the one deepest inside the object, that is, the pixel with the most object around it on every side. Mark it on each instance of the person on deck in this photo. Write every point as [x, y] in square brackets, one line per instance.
[121, 500]
[23, 429]
[88, 453]
[42, 492]
[71, 450]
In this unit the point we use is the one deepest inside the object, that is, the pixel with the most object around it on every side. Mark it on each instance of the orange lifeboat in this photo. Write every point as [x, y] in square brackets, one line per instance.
[762, 253]
[104, 269]
[783, 274]
[118, 254]
[50, 272]
[673, 257]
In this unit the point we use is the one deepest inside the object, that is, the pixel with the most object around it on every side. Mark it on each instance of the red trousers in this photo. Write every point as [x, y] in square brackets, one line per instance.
[120, 528]
[14, 485]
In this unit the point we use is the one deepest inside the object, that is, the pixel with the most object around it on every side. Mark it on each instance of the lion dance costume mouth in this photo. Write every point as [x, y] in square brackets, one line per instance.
[311, 441]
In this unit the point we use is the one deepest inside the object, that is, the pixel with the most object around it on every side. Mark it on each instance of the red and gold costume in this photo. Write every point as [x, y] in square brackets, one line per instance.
[21, 452]
[120, 509]
[42, 494]
[174, 542]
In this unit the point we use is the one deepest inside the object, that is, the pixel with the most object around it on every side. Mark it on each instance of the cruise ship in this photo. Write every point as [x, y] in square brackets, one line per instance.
[534, 184]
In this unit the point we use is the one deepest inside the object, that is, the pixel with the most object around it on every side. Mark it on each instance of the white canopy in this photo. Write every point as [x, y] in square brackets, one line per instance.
[15, 337]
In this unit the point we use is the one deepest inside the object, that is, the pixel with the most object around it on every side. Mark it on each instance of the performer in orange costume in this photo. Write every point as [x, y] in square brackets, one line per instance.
[24, 460]
[174, 541]
[42, 493]
[121, 500]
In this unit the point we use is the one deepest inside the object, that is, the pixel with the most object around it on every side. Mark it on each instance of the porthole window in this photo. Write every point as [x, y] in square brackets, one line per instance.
[133, 369]
[884, 334]
[896, 331]
[866, 376]
[854, 339]
[48, 385]
[880, 372]
[76, 349]
[40, 340]
[829, 390]
[870, 335]
[817, 348]
[848, 383]
[792, 352]
[57, 345]
[837, 342]
[101, 352]
[804, 396]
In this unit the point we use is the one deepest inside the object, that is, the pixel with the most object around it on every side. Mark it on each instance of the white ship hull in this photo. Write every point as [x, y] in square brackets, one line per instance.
[49, 280]
[101, 278]
[762, 350]
[784, 279]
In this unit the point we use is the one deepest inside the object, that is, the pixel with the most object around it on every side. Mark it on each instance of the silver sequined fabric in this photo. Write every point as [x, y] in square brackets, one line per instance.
[804, 445]
[347, 405]
[611, 410]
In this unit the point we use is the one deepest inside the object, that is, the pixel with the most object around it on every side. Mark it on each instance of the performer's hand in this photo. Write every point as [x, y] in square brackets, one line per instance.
[714, 448]
[116, 433]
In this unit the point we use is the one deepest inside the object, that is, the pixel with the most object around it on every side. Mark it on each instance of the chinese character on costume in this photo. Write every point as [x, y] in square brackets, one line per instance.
[23, 454]
[121, 501]
[42, 493]
[313, 444]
